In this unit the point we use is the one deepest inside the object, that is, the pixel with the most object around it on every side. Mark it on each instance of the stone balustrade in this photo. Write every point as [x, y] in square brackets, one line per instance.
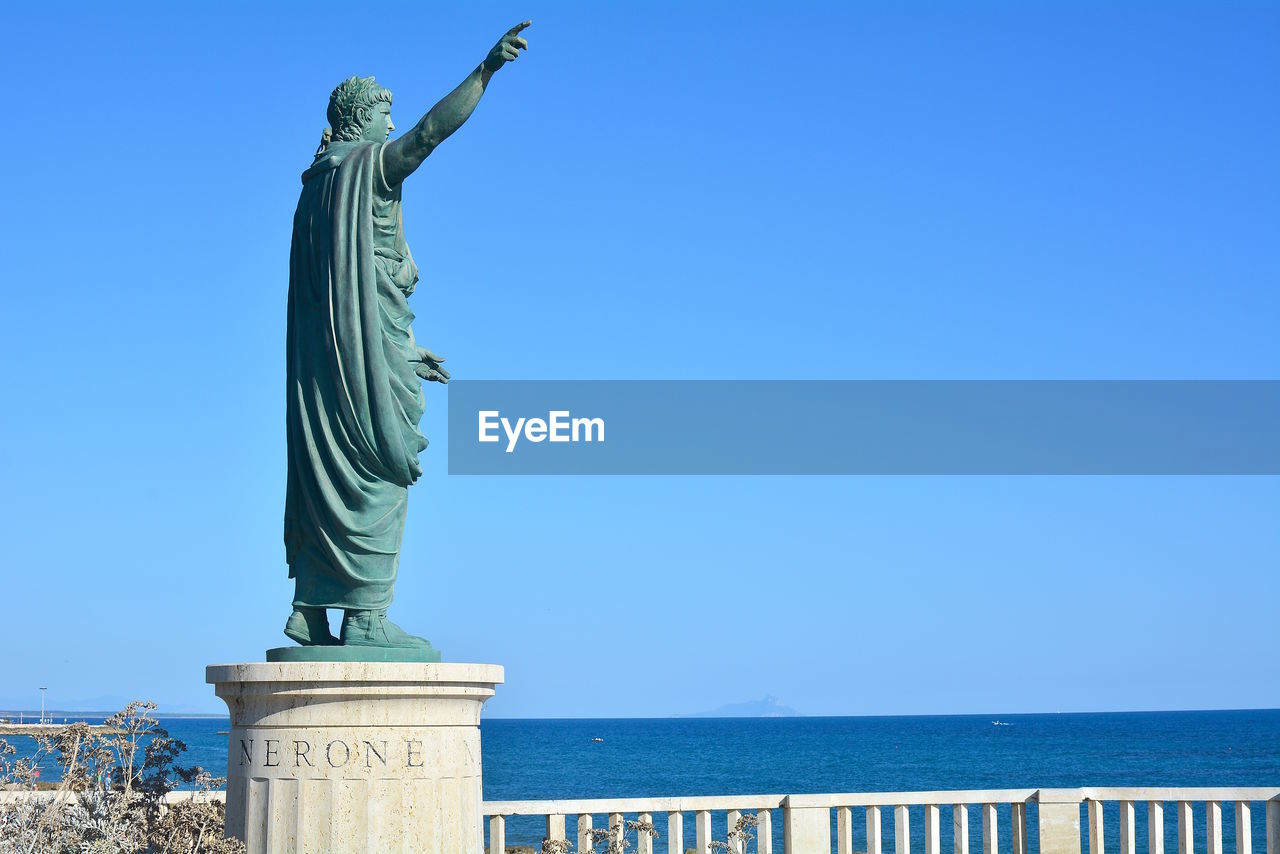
[1063, 820]
[1055, 827]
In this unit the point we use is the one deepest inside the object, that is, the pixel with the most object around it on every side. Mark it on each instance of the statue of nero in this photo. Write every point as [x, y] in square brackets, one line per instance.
[354, 369]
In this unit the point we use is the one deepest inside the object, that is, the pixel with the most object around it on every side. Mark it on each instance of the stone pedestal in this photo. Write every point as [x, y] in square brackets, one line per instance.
[339, 756]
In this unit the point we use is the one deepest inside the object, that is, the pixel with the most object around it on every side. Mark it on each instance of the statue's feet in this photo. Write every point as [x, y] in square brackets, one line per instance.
[309, 627]
[372, 628]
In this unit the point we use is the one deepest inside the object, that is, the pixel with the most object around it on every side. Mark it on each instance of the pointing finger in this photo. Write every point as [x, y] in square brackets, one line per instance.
[516, 30]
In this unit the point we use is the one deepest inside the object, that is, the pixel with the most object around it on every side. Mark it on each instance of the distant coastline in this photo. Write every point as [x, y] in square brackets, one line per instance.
[766, 707]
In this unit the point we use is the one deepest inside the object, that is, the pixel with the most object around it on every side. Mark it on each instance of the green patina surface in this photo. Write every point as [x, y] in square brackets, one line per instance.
[352, 653]
[354, 370]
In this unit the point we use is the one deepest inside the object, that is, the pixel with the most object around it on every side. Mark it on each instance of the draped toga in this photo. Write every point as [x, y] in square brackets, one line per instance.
[354, 400]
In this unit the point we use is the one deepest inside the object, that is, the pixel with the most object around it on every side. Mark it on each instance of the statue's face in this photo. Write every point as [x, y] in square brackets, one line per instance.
[380, 125]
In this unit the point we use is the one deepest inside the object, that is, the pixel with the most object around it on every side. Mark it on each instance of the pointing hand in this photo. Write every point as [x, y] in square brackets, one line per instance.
[507, 48]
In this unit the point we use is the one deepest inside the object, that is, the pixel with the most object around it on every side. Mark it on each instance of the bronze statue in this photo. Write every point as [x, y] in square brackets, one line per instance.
[354, 369]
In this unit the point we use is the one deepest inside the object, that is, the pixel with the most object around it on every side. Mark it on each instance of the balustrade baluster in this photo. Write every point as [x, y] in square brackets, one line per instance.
[960, 828]
[584, 833]
[932, 829]
[1155, 827]
[497, 835]
[702, 826]
[1128, 839]
[644, 842]
[1018, 828]
[764, 832]
[1097, 831]
[555, 828]
[901, 830]
[1244, 828]
[990, 830]
[1273, 826]
[873, 830]
[675, 833]
[844, 830]
[730, 822]
[1186, 829]
[617, 829]
[1213, 827]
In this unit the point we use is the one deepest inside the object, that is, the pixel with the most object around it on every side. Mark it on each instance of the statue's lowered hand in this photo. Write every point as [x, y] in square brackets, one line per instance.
[507, 48]
[429, 366]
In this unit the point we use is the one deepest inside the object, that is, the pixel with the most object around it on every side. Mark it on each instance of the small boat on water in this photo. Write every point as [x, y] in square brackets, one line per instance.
[599, 740]
[999, 723]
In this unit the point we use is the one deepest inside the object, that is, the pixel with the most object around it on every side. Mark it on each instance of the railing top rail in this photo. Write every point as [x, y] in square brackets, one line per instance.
[602, 806]
[597, 806]
[1202, 793]
[897, 799]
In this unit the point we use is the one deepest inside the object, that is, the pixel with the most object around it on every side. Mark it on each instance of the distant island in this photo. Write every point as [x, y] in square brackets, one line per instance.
[768, 707]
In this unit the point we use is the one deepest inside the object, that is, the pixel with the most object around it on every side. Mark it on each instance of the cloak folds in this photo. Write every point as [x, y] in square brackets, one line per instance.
[354, 401]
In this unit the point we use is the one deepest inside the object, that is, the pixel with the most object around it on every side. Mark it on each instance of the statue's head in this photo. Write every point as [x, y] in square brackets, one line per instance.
[360, 109]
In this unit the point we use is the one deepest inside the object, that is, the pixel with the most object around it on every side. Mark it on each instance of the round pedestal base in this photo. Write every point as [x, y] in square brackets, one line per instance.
[344, 756]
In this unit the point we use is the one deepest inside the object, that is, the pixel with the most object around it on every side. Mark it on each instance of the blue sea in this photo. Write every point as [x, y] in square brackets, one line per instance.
[552, 759]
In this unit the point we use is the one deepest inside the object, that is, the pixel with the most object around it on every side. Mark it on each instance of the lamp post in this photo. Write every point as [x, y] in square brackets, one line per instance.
[42, 690]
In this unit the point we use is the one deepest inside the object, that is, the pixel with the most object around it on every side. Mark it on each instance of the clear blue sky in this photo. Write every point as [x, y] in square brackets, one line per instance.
[737, 190]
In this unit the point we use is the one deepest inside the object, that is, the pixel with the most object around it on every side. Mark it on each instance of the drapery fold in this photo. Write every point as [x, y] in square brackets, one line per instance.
[354, 401]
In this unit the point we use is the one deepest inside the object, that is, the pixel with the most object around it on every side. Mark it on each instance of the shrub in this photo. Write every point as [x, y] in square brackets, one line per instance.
[113, 793]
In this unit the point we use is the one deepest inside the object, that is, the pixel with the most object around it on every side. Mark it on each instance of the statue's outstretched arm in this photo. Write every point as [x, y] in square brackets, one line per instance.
[404, 155]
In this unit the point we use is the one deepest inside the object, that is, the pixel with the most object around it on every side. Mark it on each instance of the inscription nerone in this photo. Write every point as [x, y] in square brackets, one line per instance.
[336, 753]
[343, 753]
